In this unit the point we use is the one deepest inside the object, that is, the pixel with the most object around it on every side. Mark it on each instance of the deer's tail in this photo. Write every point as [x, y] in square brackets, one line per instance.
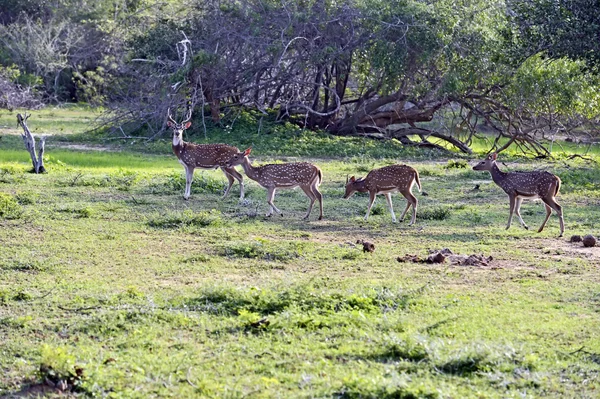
[417, 180]
[320, 174]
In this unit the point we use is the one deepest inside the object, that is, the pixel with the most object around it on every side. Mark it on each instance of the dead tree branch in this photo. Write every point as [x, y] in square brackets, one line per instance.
[29, 141]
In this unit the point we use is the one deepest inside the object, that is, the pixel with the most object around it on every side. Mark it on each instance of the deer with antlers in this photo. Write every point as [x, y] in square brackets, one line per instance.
[385, 181]
[202, 156]
[286, 175]
[525, 185]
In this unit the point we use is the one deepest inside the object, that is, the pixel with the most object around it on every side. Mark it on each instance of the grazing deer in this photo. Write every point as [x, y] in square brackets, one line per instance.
[202, 156]
[385, 181]
[286, 175]
[525, 185]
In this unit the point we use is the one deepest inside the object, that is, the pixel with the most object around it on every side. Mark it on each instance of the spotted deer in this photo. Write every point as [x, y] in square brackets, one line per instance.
[525, 185]
[286, 175]
[202, 156]
[385, 181]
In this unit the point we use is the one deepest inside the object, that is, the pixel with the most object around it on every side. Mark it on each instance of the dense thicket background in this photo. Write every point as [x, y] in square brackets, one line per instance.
[522, 72]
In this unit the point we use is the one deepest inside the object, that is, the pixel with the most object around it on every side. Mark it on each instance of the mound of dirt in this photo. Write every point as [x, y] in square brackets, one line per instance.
[446, 254]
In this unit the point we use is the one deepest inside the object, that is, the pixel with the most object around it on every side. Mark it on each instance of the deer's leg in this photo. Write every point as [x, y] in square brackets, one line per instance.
[512, 203]
[518, 203]
[319, 196]
[308, 191]
[230, 179]
[410, 200]
[415, 203]
[548, 213]
[552, 204]
[372, 196]
[388, 197]
[231, 173]
[189, 177]
[270, 197]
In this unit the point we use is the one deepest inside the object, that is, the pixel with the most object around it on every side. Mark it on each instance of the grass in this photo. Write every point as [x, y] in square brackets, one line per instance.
[112, 285]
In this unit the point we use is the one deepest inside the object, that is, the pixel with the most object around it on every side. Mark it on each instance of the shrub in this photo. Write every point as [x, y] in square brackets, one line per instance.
[456, 164]
[186, 219]
[437, 213]
[262, 249]
[9, 207]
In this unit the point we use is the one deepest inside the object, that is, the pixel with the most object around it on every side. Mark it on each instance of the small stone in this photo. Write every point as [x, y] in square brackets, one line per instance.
[589, 241]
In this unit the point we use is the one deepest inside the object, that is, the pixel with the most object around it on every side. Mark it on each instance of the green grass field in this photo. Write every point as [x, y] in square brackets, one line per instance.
[111, 285]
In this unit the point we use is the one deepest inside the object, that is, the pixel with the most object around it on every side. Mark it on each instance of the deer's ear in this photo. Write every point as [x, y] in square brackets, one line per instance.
[353, 179]
[170, 124]
[494, 156]
[187, 125]
[247, 151]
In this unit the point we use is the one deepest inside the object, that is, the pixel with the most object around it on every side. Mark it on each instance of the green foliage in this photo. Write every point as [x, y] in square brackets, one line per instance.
[456, 164]
[154, 296]
[58, 366]
[9, 207]
[263, 249]
[186, 220]
[556, 86]
[435, 213]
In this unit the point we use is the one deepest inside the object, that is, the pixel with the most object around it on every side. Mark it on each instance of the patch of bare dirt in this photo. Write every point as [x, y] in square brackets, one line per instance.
[574, 249]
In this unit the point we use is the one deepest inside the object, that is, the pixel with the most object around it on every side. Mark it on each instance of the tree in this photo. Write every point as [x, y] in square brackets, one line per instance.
[558, 28]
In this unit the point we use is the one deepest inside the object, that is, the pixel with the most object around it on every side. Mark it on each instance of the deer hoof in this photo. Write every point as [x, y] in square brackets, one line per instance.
[526, 227]
[320, 217]
[186, 198]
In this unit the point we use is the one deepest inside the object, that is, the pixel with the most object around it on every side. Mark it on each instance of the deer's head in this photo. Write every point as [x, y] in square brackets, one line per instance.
[353, 185]
[238, 158]
[178, 128]
[488, 163]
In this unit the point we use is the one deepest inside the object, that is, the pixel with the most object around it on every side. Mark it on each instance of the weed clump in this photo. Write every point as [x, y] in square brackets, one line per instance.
[9, 207]
[174, 183]
[186, 220]
[57, 369]
[435, 213]
[409, 350]
[362, 388]
[262, 249]
[456, 164]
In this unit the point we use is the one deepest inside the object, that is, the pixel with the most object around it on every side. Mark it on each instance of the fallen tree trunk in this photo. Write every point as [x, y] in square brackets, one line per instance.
[29, 141]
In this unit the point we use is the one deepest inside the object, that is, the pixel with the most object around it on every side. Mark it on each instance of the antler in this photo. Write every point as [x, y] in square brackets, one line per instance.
[169, 115]
[189, 115]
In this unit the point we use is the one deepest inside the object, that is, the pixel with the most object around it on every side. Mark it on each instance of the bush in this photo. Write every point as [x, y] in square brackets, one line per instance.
[186, 219]
[9, 207]
[437, 213]
[261, 249]
[456, 164]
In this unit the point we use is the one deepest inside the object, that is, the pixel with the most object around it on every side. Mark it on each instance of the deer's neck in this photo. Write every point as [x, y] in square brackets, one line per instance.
[250, 170]
[361, 186]
[178, 146]
[177, 141]
[498, 176]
